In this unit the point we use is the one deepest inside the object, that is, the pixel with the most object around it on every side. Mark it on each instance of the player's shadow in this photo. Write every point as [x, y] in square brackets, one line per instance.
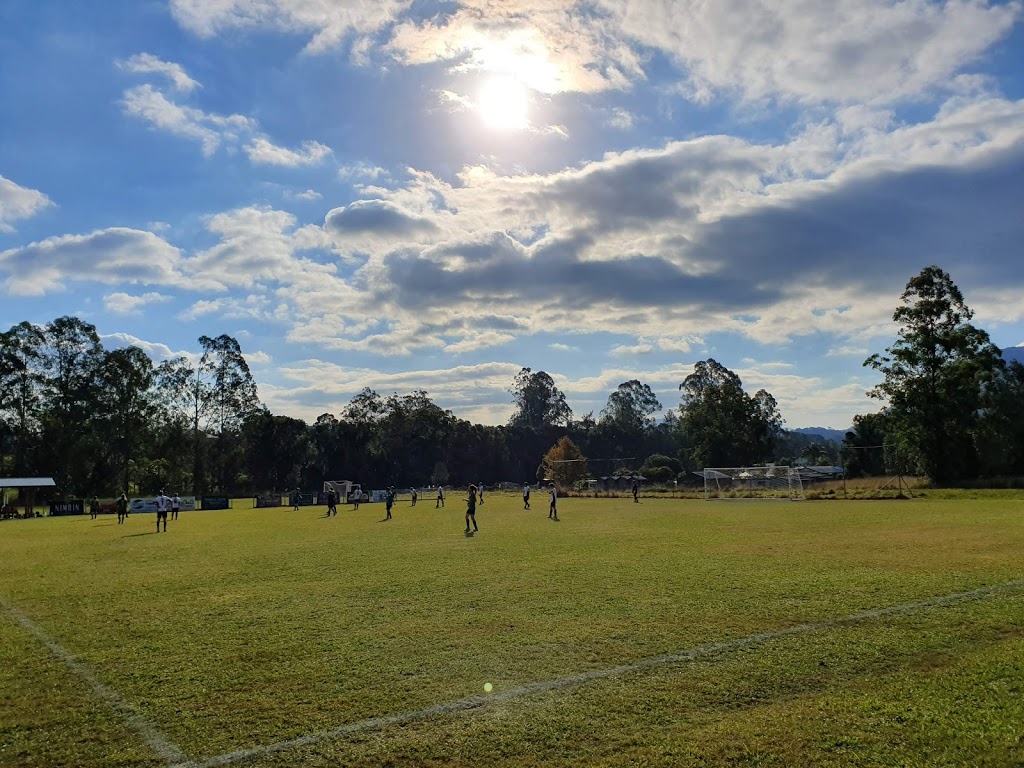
[133, 535]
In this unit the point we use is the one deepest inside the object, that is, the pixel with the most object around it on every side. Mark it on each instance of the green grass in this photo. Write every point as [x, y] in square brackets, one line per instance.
[247, 627]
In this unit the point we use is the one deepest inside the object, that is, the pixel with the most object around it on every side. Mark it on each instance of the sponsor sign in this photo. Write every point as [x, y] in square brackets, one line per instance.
[259, 502]
[302, 499]
[67, 507]
[148, 504]
[378, 496]
[216, 502]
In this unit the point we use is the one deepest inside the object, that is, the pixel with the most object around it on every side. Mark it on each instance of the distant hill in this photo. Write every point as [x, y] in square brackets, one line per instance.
[1011, 354]
[835, 435]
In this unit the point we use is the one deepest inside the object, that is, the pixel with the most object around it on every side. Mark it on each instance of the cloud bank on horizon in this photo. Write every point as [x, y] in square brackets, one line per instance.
[432, 195]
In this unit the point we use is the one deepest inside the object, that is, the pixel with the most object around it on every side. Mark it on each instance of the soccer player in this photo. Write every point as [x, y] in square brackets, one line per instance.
[389, 501]
[413, 490]
[175, 506]
[471, 509]
[440, 497]
[163, 504]
[94, 508]
[481, 494]
[553, 509]
[636, 491]
[526, 495]
[332, 503]
[295, 500]
[357, 497]
[122, 508]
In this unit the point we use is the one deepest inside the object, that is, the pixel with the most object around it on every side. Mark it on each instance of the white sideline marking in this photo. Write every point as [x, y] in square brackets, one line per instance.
[156, 740]
[472, 702]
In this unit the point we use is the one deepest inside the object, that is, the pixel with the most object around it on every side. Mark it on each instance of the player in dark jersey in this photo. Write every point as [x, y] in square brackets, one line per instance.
[471, 509]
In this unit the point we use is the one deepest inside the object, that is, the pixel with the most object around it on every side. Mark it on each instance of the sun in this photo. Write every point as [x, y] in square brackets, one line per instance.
[503, 104]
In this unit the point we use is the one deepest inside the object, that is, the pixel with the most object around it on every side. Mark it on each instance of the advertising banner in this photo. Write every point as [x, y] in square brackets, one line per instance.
[303, 499]
[216, 502]
[148, 504]
[67, 507]
[260, 502]
[378, 496]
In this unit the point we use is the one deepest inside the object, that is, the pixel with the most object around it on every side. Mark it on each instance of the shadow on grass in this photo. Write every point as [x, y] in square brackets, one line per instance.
[147, 533]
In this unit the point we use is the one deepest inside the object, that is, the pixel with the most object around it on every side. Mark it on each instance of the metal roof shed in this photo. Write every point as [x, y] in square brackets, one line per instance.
[27, 482]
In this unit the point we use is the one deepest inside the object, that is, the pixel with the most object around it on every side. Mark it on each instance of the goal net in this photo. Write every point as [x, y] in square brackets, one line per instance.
[771, 482]
[341, 487]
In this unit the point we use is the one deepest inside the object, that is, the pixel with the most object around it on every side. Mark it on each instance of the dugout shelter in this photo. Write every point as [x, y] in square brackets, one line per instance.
[26, 488]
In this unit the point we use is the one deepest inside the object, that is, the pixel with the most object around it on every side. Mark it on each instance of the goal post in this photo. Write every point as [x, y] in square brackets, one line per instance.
[768, 482]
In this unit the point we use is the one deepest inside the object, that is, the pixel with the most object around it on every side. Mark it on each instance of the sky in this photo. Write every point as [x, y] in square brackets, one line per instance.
[409, 194]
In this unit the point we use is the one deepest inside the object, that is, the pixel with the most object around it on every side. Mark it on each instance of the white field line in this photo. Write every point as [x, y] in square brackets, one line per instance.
[472, 702]
[149, 733]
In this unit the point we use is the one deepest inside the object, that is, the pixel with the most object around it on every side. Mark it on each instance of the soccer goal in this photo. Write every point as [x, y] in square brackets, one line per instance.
[771, 482]
[341, 487]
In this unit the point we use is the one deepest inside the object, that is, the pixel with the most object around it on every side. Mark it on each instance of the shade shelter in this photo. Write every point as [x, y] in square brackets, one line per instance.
[30, 485]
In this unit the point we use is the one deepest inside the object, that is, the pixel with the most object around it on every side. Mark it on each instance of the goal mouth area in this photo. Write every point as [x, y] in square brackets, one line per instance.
[765, 483]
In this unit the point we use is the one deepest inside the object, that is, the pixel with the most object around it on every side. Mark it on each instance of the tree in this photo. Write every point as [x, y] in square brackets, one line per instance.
[565, 464]
[863, 446]
[934, 377]
[1002, 424]
[124, 407]
[723, 425]
[661, 468]
[631, 406]
[214, 397]
[21, 380]
[72, 355]
[278, 450]
[539, 403]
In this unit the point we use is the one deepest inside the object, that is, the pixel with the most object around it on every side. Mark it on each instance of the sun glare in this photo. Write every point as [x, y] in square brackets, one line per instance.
[503, 104]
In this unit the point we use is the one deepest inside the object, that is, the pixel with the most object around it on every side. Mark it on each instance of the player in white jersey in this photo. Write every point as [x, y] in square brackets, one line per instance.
[163, 506]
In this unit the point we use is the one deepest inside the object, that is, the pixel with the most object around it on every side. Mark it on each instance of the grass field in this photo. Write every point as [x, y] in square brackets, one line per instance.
[244, 629]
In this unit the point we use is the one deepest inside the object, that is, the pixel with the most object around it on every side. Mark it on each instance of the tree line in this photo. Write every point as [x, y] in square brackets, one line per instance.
[101, 420]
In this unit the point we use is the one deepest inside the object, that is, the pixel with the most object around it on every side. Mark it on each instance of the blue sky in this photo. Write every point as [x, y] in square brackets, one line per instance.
[433, 195]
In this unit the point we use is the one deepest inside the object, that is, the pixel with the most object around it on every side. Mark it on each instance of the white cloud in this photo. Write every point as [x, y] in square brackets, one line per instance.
[147, 103]
[156, 350]
[842, 51]
[212, 130]
[110, 256]
[202, 308]
[635, 349]
[309, 194]
[262, 151]
[848, 350]
[485, 340]
[17, 203]
[559, 347]
[258, 244]
[621, 118]
[361, 172]
[329, 22]
[147, 63]
[547, 45]
[127, 304]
